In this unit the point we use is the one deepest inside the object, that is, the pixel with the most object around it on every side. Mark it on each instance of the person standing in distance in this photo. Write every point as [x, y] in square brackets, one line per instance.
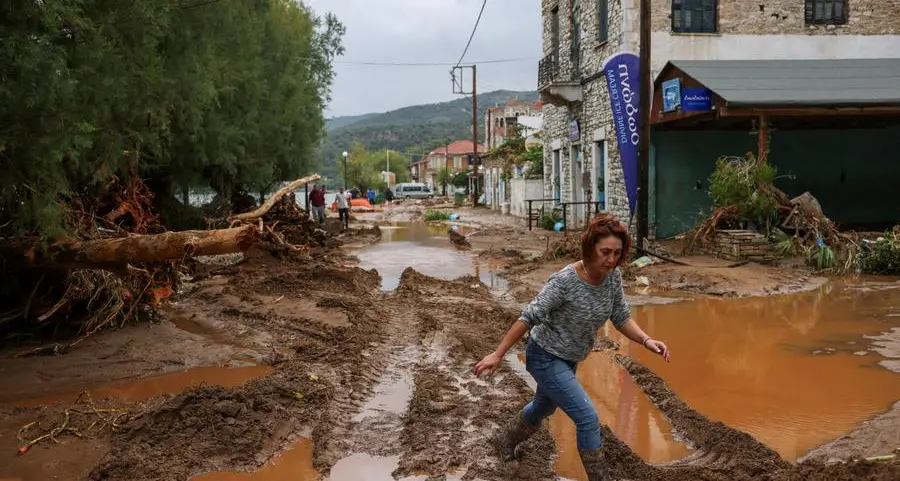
[563, 321]
[343, 204]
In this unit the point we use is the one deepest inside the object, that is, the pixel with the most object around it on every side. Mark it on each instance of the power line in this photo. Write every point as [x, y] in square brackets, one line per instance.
[472, 35]
[432, 64]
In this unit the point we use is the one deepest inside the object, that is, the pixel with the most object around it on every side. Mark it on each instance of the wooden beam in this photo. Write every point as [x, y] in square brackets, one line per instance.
[726, 111]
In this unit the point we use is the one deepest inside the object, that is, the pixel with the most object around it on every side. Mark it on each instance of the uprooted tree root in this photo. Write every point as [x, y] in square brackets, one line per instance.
[81, 419]
[63, 302]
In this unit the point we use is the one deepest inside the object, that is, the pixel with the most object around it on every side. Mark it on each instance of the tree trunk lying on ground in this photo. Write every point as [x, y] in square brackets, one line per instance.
[115, 254]
[267, 205]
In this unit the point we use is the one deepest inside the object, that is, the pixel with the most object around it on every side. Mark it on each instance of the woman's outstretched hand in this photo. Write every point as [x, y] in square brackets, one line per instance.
[487, 365]
[658, 347]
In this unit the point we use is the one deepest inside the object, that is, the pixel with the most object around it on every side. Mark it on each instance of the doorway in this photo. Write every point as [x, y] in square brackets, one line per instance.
[600, 173]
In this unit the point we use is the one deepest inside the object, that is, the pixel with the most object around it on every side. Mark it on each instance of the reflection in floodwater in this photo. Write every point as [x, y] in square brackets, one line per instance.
[295, 464]
[620, 404]
[781, 368]
[135, 390]
[427, 248]
[623, 407]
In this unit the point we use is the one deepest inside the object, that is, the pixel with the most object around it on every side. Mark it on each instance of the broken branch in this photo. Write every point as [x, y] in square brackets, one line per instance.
[263, 209]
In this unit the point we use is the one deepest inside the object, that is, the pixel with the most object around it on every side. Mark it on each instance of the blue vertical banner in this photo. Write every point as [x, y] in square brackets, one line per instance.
[623, 82]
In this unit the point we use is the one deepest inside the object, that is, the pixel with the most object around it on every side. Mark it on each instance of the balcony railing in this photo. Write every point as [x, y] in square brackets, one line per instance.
[548, 69]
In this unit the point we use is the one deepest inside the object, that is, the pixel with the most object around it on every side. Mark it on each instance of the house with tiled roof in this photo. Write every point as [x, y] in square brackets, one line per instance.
[454, 156]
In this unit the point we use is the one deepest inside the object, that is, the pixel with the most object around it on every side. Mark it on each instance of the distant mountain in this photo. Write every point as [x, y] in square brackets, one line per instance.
[338, 122]
[418, 128]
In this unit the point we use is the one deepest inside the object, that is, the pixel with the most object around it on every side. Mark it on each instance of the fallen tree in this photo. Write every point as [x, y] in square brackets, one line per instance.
[267, 205]
[116, 253]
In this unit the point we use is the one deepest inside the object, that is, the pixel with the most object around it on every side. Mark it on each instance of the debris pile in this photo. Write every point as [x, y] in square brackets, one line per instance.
[744, 197]
[122, 262]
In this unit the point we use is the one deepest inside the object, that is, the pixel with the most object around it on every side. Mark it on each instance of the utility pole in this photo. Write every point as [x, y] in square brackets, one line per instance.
[456, 76]
[475, 158]
[643, 215]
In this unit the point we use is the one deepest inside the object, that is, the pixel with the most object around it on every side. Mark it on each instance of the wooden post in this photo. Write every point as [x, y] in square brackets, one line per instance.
[762, 148]
[643, 204]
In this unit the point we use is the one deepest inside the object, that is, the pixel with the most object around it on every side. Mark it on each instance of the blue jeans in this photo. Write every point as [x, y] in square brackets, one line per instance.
[558, 387]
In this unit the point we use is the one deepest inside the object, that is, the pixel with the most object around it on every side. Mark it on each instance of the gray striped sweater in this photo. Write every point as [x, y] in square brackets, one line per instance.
[565, 316]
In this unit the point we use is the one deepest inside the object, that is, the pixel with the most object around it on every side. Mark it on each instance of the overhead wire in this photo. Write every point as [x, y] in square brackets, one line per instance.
[431, 64]
[472, 35]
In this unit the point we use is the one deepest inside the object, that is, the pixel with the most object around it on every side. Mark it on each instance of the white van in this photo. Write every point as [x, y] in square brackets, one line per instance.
[413, 191]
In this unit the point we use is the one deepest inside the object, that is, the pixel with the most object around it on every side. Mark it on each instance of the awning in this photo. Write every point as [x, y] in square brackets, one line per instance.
[833, 82]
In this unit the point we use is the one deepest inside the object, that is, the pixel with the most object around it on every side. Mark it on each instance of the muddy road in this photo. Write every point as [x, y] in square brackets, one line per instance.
[351, 365]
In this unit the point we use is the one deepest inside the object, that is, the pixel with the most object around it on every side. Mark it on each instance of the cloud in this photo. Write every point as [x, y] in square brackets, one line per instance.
[428, 31]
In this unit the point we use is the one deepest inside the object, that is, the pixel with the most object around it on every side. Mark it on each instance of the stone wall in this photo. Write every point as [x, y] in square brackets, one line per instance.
[593, 115]
[772, 17]
[741, 245]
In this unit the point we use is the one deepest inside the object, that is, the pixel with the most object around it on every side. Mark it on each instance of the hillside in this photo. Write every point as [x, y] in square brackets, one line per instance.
[417, 128]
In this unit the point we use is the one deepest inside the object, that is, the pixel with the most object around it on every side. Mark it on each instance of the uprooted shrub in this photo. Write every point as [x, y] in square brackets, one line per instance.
[747, 185]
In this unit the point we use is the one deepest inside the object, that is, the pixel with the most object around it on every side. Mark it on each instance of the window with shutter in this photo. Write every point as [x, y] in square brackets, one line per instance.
[694, 16]
[602, 20]
[826, 12]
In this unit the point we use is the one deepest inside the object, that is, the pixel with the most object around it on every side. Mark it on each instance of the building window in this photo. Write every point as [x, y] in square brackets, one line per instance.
[554, 33]
[694, 16]
[576, 39]
[602, 20]
[826, 12]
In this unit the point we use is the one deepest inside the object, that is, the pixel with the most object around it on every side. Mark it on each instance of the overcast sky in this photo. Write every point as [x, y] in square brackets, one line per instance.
[429, 31]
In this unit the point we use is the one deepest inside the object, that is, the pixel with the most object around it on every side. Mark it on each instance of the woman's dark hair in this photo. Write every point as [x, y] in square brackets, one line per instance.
[604, 225]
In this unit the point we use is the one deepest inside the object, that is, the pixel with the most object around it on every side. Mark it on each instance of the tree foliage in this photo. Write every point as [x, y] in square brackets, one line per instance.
[364, 168]
[227, 94]
[745, 183]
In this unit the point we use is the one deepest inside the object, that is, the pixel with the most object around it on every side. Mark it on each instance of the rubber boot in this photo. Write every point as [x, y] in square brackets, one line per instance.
[516, 430]
[594, 464]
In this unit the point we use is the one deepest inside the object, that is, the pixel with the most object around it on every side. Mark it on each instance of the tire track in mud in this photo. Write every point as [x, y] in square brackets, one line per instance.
[453, 415]
[208, 429]
[366, 422]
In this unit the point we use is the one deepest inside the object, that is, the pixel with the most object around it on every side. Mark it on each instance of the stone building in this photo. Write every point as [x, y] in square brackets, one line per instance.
[499, 121]
[581, 154]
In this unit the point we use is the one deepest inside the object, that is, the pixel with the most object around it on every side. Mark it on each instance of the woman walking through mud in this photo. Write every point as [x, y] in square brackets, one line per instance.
[563, 321]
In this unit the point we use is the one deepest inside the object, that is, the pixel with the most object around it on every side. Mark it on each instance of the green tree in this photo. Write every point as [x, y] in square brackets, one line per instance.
[444, 178]
[226, 94]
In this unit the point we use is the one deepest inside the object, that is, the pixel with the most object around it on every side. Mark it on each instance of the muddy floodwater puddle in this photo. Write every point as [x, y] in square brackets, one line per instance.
[135, 390]
[428, 250]
[296, 464]
[756, 364]
[393, 392]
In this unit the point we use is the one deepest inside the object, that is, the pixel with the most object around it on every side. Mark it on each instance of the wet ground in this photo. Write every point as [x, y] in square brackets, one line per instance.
[310, 366]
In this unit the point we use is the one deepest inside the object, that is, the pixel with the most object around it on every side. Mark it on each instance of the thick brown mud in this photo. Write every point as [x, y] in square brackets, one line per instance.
[323, 373]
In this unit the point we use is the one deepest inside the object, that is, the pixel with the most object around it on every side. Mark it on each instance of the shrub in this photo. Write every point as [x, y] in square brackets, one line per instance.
[436, 215]
[745, 183]
[549, 219]
[881, 257]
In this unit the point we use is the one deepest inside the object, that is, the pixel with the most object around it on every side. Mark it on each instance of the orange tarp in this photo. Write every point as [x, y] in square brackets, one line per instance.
[361, 203]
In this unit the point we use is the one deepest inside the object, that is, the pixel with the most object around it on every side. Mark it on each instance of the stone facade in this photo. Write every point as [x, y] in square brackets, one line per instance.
[593, 114]
[498, 121]
[758, 29]
[774, 17]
